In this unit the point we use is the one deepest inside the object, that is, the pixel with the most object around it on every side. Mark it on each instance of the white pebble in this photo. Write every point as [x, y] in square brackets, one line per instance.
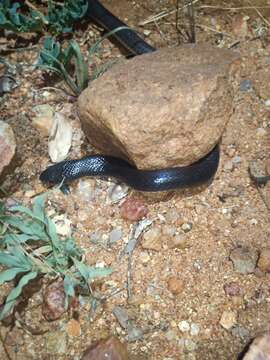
[184, 326]
[194, 329]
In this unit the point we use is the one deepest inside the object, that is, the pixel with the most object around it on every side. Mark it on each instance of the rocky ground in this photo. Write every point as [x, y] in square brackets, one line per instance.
[196, 285]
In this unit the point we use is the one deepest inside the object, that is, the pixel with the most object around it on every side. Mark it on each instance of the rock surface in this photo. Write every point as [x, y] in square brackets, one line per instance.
[7, 145]
[166, 108]
[264, 260]
[259, 349]
[110, 349]
[244, 260]
[53, 306]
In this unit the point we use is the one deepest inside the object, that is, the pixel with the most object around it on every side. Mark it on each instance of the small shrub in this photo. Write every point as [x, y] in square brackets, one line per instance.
[30, 247]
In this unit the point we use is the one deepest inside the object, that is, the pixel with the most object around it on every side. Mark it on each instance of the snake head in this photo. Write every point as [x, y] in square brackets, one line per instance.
[53, 174]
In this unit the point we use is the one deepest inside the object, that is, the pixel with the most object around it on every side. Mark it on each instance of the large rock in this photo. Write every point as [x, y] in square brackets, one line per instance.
[7, 145]
[110, 349]
[259, 348]
[166, 108]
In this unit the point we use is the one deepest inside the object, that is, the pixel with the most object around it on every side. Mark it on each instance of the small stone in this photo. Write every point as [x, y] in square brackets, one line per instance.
[53, 306]
[73, 328]
[236, 160]
[186, 227]
[253, 221]
[259, 173]
[7, 145]
[190, 345]
[117, 192]
[264, 260]
[228, 166]
[146, 32]
[244, 260]
[56, 343]
[228, 319]
[175, 285]
[194, 329]
[115, 235]
[43, 120]
[238, 301]
[86, 190]
[152, 239]
[245, 85]
[60, 138]
[96, 237]
[134, 333]
[144, 257]
[62, 224]
[240, 331]
[267, 102]
[111, 349]
[260, 133]
[179, 241]
[133, 209]
[184, 326]
[197, 265]
[232, 289]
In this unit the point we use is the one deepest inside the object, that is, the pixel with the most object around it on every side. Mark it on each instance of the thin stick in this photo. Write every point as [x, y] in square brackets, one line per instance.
[129, 276]
[260, 15]
[191, 16]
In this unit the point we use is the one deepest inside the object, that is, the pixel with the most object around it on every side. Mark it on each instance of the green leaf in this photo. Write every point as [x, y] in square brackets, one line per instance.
[13, 295]
[70, 248]
[94, 48]
[83, 269]
[81, 68]
[27, 227]
[98, 272]
[90, 273]
[10, 274]
[69, 285]
[9, 260]
[22, 258]
[51, 231]
[21, 209]
[15, 239]
[39, 206]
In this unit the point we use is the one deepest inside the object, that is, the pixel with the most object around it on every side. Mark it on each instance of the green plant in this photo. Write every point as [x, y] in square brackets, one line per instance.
[59, 18]
[30, 247]
[52, 57]
[12, 19]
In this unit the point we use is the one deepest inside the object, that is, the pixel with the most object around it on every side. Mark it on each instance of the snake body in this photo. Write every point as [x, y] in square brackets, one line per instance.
[108, 166]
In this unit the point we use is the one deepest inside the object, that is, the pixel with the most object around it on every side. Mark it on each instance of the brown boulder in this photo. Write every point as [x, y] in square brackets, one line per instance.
[259, 349]
[166, 108]
[109, 349]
